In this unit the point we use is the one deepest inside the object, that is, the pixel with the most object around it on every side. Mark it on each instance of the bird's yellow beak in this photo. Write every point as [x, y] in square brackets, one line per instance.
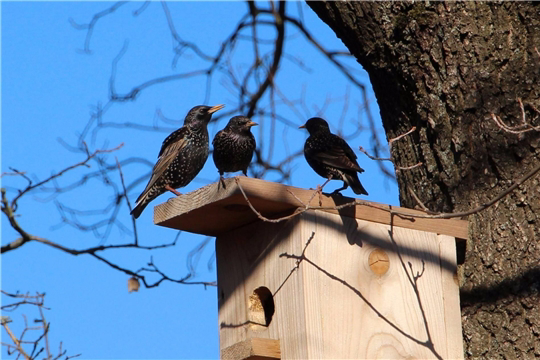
[213, 109]
[302, 126]
[251, 123]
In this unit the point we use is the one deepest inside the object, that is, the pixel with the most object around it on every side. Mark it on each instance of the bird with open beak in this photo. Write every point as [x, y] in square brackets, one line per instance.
[181, 157]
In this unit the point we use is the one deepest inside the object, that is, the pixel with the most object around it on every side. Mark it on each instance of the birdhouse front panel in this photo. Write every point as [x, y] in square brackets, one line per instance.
[330, 286]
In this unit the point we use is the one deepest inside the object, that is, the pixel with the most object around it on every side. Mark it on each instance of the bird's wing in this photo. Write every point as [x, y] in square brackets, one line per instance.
[169, 150]
[340, 155]
[174, 136]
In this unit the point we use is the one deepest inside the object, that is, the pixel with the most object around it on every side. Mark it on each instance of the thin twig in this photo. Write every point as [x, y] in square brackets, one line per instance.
[374, 157]
[16, 341]
[524, 127]
[134, 223]
[296, 265]
[90, 26]
[411, 191]
[391, 141]
[89, 157]
[402, 168]
[15, 173]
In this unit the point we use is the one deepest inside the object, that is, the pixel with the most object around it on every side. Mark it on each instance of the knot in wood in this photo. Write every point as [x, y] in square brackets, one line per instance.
[379, 262]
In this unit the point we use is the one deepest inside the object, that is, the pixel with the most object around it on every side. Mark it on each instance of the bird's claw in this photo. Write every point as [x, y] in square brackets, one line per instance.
[222, 182]
[167, 187]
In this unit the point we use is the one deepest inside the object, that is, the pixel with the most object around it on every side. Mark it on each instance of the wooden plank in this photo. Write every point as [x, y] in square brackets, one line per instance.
[247, 259]
[190, 212]
[253, 349]
[381, 316]
[335, 306]
[452, 310]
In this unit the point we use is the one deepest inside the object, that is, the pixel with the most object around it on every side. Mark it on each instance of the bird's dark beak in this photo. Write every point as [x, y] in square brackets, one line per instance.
[251, 123]
[213, 109]
[302, 126]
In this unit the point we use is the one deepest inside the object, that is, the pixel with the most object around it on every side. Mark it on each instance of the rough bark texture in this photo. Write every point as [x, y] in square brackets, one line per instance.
[444, 68]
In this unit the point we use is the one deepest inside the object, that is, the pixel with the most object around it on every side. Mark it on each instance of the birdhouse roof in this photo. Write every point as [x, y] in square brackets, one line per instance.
[217, 208]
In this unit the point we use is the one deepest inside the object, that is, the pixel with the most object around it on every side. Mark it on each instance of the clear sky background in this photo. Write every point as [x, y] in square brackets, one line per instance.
[49, 88]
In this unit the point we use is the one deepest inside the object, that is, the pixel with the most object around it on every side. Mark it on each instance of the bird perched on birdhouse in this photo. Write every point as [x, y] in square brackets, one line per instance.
[234, 146]
[331, 157]
[181, 157]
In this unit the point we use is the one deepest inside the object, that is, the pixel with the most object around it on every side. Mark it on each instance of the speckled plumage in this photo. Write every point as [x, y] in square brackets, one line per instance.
[234, 146]
[331, 157]
[181, 157]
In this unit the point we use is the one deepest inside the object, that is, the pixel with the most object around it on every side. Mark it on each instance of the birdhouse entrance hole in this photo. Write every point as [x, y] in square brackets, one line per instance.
[261, 308]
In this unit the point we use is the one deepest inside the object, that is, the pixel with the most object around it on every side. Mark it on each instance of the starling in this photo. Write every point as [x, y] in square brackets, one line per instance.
[234, 146]
[330, 156]
[181, 157]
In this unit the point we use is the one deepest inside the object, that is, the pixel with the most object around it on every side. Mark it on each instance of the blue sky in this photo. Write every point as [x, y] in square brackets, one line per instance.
[49, 88]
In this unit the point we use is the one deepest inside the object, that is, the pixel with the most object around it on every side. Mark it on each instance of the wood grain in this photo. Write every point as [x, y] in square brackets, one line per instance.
[452, 307]
[190, 212]
[331, 305]
[252, 349]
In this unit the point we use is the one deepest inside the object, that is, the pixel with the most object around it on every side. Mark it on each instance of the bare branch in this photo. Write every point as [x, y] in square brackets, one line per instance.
[90, 26]
[420, 203]
[89, 157]
[402, 168]
[15, 173]
[141, 9]
[135, 235]
[374, 157]
[390, 142]
[525, 125]
[28, 349]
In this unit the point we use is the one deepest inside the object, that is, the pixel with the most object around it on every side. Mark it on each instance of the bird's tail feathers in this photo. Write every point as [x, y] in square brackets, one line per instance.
[355, 184]
[137, 210]
[142, 201]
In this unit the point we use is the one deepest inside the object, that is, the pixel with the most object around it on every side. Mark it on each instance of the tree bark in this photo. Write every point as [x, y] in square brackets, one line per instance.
[446, 68]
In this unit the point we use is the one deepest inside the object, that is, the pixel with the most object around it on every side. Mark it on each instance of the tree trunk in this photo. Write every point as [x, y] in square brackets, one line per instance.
[446, 68]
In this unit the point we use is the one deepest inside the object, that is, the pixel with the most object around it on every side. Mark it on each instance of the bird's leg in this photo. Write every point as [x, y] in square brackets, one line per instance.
[168, 187]
[337, 191]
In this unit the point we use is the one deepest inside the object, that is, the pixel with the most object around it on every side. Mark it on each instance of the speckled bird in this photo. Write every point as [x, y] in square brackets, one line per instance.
[234, 146]
[181, 157]
[331, 157]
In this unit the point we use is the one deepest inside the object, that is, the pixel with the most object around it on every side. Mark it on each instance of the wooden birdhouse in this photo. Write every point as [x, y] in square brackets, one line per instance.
[309, 276]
